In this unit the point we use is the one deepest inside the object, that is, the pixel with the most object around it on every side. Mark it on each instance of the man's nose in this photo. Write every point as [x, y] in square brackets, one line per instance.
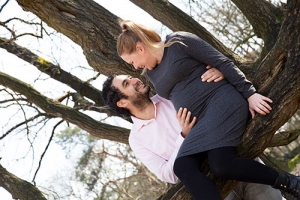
[134, 81]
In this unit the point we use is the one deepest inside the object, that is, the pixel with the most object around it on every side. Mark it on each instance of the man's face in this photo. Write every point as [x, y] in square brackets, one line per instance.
[137, 92]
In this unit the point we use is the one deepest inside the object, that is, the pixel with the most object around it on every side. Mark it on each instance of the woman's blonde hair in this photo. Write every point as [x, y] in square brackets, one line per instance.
[132, 33]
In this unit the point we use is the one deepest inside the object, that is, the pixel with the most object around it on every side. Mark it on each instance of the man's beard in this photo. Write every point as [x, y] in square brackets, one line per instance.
[141, 100]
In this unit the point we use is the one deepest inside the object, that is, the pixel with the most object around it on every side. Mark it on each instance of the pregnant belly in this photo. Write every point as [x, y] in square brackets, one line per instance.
[197, 100]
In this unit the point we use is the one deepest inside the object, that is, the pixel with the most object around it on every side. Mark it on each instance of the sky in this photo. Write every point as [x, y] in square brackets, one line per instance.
[68, 53]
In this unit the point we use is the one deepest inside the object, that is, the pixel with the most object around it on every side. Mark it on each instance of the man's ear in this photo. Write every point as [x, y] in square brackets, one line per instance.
[123, 103]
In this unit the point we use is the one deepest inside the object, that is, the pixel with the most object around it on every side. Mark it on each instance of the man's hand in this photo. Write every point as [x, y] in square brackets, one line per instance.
[212, 74]
[260, 104]
[184, 118]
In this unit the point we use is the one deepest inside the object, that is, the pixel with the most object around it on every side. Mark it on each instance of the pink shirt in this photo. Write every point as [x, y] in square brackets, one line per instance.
[156, 141]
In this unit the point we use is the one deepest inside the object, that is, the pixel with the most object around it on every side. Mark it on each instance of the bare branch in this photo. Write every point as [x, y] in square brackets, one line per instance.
[53, 71]
[22, 123]
[284, 138]
[1, 8]
[56, 109]
[46, 148]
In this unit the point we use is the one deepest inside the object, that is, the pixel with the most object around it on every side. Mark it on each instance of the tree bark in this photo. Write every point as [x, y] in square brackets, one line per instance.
[89, 25]
[264, 17]
[54, 71]
[177, 20]
[19, 188]
[73, 116]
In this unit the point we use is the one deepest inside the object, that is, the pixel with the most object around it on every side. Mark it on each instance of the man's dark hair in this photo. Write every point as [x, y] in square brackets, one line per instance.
[111, 95]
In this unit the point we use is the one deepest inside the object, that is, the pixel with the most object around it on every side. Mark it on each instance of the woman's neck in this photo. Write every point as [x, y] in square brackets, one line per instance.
[158, 52]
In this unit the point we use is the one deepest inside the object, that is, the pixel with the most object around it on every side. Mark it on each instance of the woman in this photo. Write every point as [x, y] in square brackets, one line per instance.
[174, 67]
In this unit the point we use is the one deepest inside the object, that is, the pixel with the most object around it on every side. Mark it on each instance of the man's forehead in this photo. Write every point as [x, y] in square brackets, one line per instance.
[117, 82]
[122, 76]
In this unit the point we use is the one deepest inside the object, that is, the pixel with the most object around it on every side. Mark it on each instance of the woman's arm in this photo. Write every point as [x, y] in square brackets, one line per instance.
[259, 103]
[205, 53]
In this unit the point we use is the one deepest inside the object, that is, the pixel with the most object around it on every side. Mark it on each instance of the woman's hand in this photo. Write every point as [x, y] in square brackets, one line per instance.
[212, 74]
[184, 118]
[260, 104]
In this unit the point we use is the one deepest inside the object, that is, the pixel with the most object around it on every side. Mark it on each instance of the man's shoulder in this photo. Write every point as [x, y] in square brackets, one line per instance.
[162, 106]
[156, 98]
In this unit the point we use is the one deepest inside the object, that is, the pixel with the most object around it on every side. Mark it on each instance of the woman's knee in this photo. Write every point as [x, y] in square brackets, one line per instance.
[218, 170]
[221, 160]
[183, 166]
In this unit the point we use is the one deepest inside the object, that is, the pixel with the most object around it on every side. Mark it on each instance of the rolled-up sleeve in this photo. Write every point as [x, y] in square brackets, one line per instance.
[161, 167]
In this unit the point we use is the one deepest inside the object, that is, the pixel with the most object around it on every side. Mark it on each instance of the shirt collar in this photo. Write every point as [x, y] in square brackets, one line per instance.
[139, 123]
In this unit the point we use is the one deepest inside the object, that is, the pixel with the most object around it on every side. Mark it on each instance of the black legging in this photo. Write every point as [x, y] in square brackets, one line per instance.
[223, 163]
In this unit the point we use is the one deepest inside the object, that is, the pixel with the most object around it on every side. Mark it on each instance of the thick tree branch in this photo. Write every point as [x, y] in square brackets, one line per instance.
[56, 109]
[264, 17]
[285, 77]
[57, 73]
[18, 188]
[89, 25]
[284, 138]
[54, 71]
[177, 20]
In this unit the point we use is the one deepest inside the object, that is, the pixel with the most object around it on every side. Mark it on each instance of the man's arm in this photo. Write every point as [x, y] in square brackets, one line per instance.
[212, 74]
[184, 118]
[161, 167]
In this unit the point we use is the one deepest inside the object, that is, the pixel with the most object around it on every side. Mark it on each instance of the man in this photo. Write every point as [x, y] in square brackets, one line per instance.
[158, 130]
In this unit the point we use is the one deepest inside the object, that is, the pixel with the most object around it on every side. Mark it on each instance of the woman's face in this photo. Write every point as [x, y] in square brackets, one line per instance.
[141, 58]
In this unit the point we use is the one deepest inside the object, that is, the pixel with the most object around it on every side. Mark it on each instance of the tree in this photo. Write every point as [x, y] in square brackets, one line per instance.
[275, 74]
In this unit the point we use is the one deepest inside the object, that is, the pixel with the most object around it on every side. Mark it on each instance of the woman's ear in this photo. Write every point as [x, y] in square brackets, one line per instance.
[123, 103]
[140, 47]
